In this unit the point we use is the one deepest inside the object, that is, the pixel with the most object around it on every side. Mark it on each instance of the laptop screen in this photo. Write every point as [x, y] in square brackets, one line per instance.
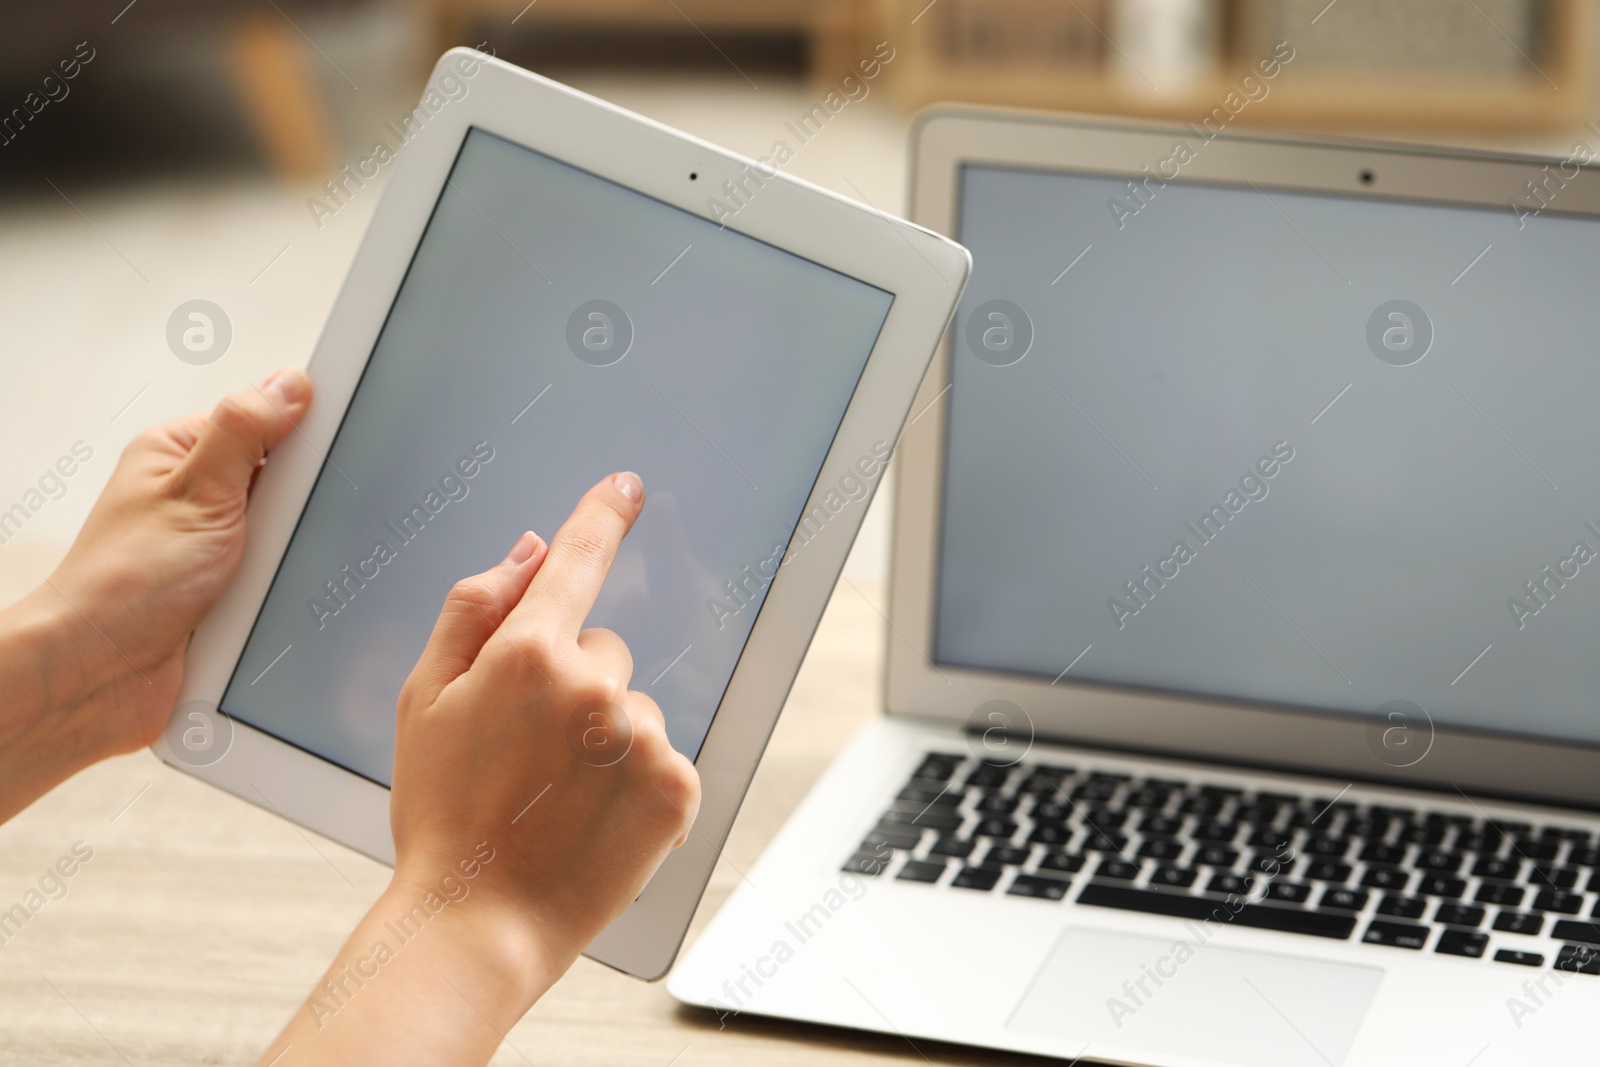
[1297, 449]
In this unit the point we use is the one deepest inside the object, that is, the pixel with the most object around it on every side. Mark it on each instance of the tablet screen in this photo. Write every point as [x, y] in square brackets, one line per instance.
[554, 327]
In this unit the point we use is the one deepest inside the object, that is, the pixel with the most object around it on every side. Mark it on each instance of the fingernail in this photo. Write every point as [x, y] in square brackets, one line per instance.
[522, 551]
[285, 387]
[629, 485]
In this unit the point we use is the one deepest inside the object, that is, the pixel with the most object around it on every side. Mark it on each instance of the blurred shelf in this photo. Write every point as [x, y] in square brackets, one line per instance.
[1015, 53]
[829, 28]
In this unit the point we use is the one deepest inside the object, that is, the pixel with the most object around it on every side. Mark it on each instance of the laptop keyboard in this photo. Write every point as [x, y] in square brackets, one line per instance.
[1320, 866]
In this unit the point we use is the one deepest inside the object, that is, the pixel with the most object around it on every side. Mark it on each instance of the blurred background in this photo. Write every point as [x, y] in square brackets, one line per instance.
[158, 152]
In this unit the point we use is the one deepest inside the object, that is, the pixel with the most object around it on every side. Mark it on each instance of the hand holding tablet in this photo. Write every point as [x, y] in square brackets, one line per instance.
[100, 646]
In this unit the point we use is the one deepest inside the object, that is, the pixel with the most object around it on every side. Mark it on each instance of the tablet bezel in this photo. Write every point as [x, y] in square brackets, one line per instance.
[924, 272]
[944, 140]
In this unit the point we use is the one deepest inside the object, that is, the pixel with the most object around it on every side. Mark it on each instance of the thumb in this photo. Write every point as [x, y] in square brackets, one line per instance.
[242, 429]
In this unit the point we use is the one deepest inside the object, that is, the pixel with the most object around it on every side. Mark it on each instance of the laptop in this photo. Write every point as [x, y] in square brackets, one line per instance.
[1243, 703]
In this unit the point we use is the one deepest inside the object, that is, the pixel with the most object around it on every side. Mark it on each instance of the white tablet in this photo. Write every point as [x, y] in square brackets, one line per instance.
[552, 289]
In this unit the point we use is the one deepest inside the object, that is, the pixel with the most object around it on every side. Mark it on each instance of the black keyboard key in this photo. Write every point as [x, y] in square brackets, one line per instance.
[976, 878]
[1557, 901]
[1148, 798]
[1173, 877]
[903, 840]
[1005, 855]
[937, 767]
[1288, 892]
[1500, 893]
[1390, 878]
[1048, 811]
[921, 871]
[1402, 907]
[1274, 866]
[1362, 826]
[1220, 833]
[1229, 883]
[1101, 820]
[1256, 814]
[1392, 812]
[1427, 836]
[1516, 922]
[1462, 943]
[1393, 855]
[1511, 955]
[1160, 826]
[1328, 846]
[1221, 792]
[1002, 828]
[1396, 935]
[1095, 791]
[1061, 863]
[1568, 833]
[1434, 859]
[871, 863]
[1161, 848]
[1573, 930]
[1553, 877]
[1217, 857]
[1287, 920]
[994, 804]
[1477, 840]
[1578, 959]
[935, 818]
[1328, 871]
[1343, 899]
[1594, 883]
[951, 846]
[1585, 857]
[1026, 885]
[1458, 915]
[1503, 868]
[1055, 836]
[1271, 839]
[1441, 885]
[1534, 849]
[1106, 842]
[1121, 870]
[988, 776]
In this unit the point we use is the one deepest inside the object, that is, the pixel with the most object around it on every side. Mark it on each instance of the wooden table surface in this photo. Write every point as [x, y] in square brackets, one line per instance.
[201, 921]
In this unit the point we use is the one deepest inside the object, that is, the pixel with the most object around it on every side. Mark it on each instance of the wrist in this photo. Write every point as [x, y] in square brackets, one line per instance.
[487, 938]
[47, 677]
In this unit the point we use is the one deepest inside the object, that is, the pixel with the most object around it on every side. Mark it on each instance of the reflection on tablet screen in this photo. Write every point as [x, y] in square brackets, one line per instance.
[554, 327]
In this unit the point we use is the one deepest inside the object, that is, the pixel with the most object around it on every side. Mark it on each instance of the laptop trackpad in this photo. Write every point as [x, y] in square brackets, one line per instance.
[1183, 997]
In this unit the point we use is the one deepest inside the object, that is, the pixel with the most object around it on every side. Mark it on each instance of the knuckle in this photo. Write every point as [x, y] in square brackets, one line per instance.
[678, 782]
[586, 544]
[535, 646]
[593, 689]
[234, 414]
[471, 593]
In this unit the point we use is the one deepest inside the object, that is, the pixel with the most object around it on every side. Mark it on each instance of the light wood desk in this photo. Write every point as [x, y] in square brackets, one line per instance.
[201, 921]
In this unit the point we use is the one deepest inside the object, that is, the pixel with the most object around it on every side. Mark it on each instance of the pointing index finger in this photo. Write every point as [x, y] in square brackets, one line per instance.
[581, 554]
